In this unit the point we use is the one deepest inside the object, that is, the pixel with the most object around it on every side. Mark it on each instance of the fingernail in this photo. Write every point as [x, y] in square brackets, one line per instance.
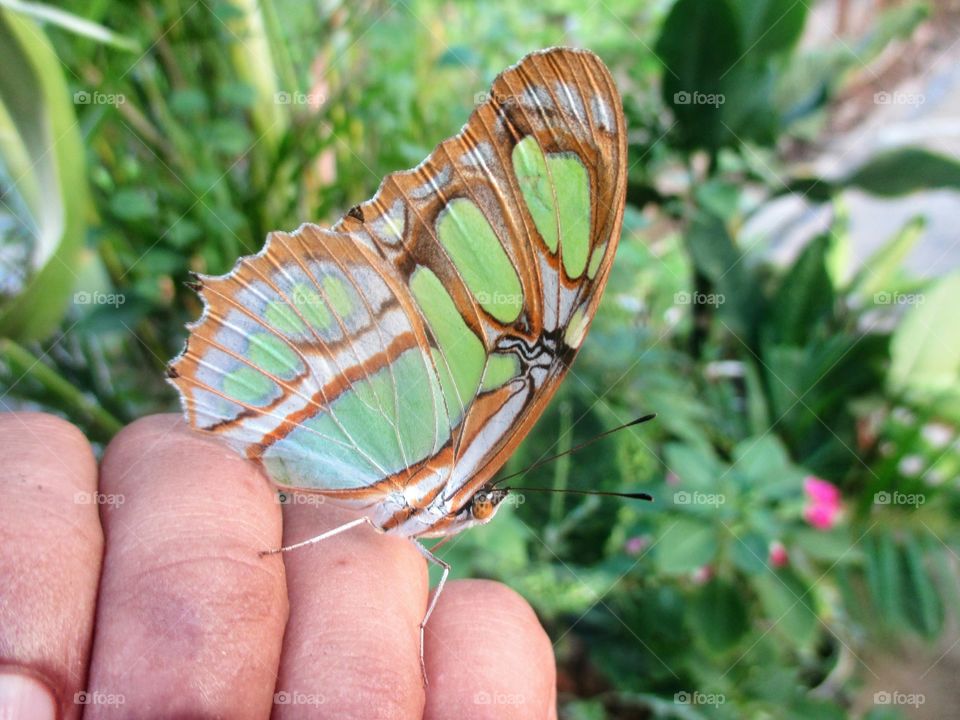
[25, 698]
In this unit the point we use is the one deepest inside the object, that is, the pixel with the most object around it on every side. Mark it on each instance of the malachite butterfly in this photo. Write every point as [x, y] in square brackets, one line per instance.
[394, 361]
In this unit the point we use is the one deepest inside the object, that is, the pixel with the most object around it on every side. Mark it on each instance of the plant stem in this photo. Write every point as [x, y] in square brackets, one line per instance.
[22, 362]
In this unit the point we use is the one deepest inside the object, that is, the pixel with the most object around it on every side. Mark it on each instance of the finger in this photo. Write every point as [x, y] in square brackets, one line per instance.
[356, 600]
[488, 656]
[50, 549]
[190, 618]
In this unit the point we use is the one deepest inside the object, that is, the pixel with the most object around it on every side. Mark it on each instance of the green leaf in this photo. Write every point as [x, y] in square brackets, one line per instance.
[761, 458]
[182, 232]
[695, 469]
[805, 297]
[685, 545]
[757, 410]
[719, 197]
[237, 94]
[188, 103]
[883, 576]
[906, 170]
[924, 609]
[40, 142]
[133, 204]
[881, 269]
[824, 545]
[749, 553]
[789, 603]
[698, 44]
[718, 616]
[714, 255]
[72, 23]
[771, 26]
[229, 137]
[925, 350]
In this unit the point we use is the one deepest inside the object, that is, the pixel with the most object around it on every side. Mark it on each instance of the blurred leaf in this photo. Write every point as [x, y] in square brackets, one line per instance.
[133, 204]
[925, 350]
[805, 297]
[695, 469]
[829, 546]
[685, 545]
[718, 615]
[80, 407]
[228, 136]
[719, 260]
[182, 233]
[238, 94]
[188, 102]
[749, 553]
[882, 573]
[39, 122]
[719, 197]
[771, 26]
[906, 170]
[761, 458]
[698, 44]
[923, 608]
[72, 23]
[788, 603]
[880, 270]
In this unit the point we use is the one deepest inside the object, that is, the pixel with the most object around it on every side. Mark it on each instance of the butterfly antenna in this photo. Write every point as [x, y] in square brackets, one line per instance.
[608, 493]
[577, 448]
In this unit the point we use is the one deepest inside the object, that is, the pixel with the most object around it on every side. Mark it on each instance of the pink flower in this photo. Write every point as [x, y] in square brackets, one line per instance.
[823, 503]
[702, 575]
[636, 545]
[778, 554]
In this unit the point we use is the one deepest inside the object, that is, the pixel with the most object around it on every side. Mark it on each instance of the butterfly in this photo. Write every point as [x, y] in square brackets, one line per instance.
[394, 361]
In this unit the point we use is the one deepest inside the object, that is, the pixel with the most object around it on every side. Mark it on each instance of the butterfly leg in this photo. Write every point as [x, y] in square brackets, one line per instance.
[433, 601]
[323, 536]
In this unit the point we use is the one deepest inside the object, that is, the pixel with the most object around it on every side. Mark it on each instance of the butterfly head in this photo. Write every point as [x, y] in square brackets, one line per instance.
[484, 504]
[478, 510]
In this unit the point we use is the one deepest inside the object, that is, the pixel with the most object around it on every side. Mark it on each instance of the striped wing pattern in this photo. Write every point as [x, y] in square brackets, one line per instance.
[395, 360]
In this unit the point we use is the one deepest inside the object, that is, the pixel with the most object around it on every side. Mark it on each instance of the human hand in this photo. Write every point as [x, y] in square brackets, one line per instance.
[143, 595]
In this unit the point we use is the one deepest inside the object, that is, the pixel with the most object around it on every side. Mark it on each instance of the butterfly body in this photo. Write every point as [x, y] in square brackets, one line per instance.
[395, 360]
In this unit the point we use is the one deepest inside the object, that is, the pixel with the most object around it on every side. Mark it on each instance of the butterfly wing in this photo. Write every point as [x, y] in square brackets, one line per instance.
[515, 222]
[409, 348]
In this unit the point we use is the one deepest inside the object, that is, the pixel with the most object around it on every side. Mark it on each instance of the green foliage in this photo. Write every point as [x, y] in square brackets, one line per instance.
[43, 164]
[239, 117]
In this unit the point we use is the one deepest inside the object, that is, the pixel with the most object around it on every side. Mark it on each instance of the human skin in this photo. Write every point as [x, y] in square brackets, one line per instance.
[140, 583]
